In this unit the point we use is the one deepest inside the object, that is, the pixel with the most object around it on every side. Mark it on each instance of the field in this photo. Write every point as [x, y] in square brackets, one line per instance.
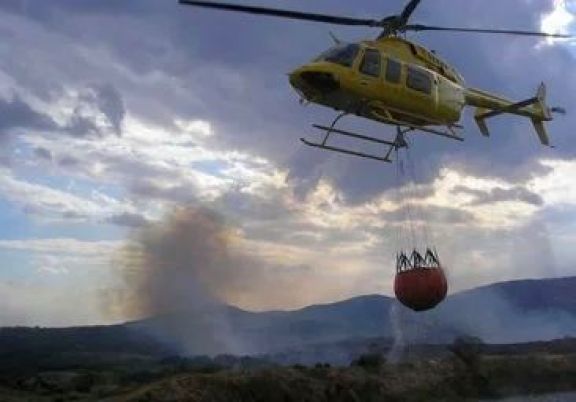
[466, 371]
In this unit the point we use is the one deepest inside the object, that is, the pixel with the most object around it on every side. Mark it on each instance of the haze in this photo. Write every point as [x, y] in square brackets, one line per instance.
[122, 120]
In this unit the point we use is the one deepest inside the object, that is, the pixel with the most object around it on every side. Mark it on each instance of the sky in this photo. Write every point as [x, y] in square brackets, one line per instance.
[114, 114]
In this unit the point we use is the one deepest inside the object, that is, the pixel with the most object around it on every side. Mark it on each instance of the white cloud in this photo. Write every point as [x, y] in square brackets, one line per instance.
[63, 246]
[51, 203]
[508, 214]
[51, 264]
[560, 20]
[182, 167]
[44, 200]
[557, 187]
[195, 127]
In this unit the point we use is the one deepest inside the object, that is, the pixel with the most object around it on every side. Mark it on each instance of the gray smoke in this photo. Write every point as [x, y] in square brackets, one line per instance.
[181, 276]
[399, 343]
[490, 314]
[176, 275]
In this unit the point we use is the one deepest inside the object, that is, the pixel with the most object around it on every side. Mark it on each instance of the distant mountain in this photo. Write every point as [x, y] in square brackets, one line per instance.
[236, 331]
[518, 311]
[531, 295]
[511, 312]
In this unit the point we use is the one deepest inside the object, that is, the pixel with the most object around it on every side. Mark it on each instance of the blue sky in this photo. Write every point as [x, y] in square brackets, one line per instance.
[113, 114]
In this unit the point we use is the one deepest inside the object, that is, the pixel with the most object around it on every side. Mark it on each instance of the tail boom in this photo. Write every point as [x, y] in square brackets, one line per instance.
[489, 105]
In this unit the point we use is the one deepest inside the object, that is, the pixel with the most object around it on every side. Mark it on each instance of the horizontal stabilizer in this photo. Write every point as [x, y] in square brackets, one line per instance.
[535, 108]
[481, 122]
[541, 131]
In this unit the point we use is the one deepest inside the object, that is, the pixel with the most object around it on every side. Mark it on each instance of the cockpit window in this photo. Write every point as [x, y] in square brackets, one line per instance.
[342, 54]
[371, 63]
[393, 71]
[419, 80]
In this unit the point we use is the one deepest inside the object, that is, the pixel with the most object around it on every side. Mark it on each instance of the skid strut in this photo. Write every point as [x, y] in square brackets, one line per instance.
[397, 143]
[332, 130]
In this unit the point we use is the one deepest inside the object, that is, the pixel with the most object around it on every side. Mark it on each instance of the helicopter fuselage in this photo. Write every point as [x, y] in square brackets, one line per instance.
[394, 81]
[385, 80]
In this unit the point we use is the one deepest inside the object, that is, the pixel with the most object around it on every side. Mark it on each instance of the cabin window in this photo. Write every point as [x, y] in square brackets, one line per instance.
[343, 55]
[393, 71]
[419, 80]
[371, 63]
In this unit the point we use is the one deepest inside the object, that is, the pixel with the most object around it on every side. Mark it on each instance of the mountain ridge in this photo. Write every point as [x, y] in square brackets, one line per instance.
[514, 282]
[507, 312]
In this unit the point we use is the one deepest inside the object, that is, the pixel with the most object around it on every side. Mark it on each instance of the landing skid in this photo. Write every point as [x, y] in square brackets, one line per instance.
[331, 130]
[397, 143]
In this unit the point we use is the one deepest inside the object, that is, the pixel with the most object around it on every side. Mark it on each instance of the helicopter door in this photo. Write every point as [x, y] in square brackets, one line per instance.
[393, 90]
[370, 79]
[421, 85]
[370, 71]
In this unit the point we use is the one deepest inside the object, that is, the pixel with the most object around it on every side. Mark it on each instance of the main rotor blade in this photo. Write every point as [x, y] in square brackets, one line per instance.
[490, 31]
[408, 10]
[273, 12]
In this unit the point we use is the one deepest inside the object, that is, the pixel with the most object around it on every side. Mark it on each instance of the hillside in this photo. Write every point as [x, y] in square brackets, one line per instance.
[518, 311]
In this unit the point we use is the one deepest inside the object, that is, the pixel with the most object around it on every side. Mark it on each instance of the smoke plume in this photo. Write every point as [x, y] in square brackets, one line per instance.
[180, 277]
[178, 274]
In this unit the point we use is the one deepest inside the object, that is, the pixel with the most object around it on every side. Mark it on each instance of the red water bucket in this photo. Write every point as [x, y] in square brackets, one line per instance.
[421, 289]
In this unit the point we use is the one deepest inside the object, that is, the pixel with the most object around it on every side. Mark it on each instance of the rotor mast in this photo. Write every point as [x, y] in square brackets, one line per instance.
[395, 24]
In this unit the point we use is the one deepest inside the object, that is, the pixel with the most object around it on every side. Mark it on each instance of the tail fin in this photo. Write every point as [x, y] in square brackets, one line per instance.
[489, 105]
[544, 110]
[540, 104]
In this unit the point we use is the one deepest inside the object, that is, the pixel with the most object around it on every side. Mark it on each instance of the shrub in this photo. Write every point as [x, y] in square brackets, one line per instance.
[369, 361]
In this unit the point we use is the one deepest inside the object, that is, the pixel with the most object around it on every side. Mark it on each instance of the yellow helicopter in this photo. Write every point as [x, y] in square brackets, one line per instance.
[394, 81]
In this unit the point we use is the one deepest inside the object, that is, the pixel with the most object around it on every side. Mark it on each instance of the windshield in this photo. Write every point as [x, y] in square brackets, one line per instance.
[341, 54]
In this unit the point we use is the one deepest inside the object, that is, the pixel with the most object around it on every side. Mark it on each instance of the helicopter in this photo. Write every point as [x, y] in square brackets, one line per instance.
[397, 82]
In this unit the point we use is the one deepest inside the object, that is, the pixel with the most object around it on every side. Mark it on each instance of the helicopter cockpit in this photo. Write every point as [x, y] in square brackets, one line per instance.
[342, 54]
[323, 75]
